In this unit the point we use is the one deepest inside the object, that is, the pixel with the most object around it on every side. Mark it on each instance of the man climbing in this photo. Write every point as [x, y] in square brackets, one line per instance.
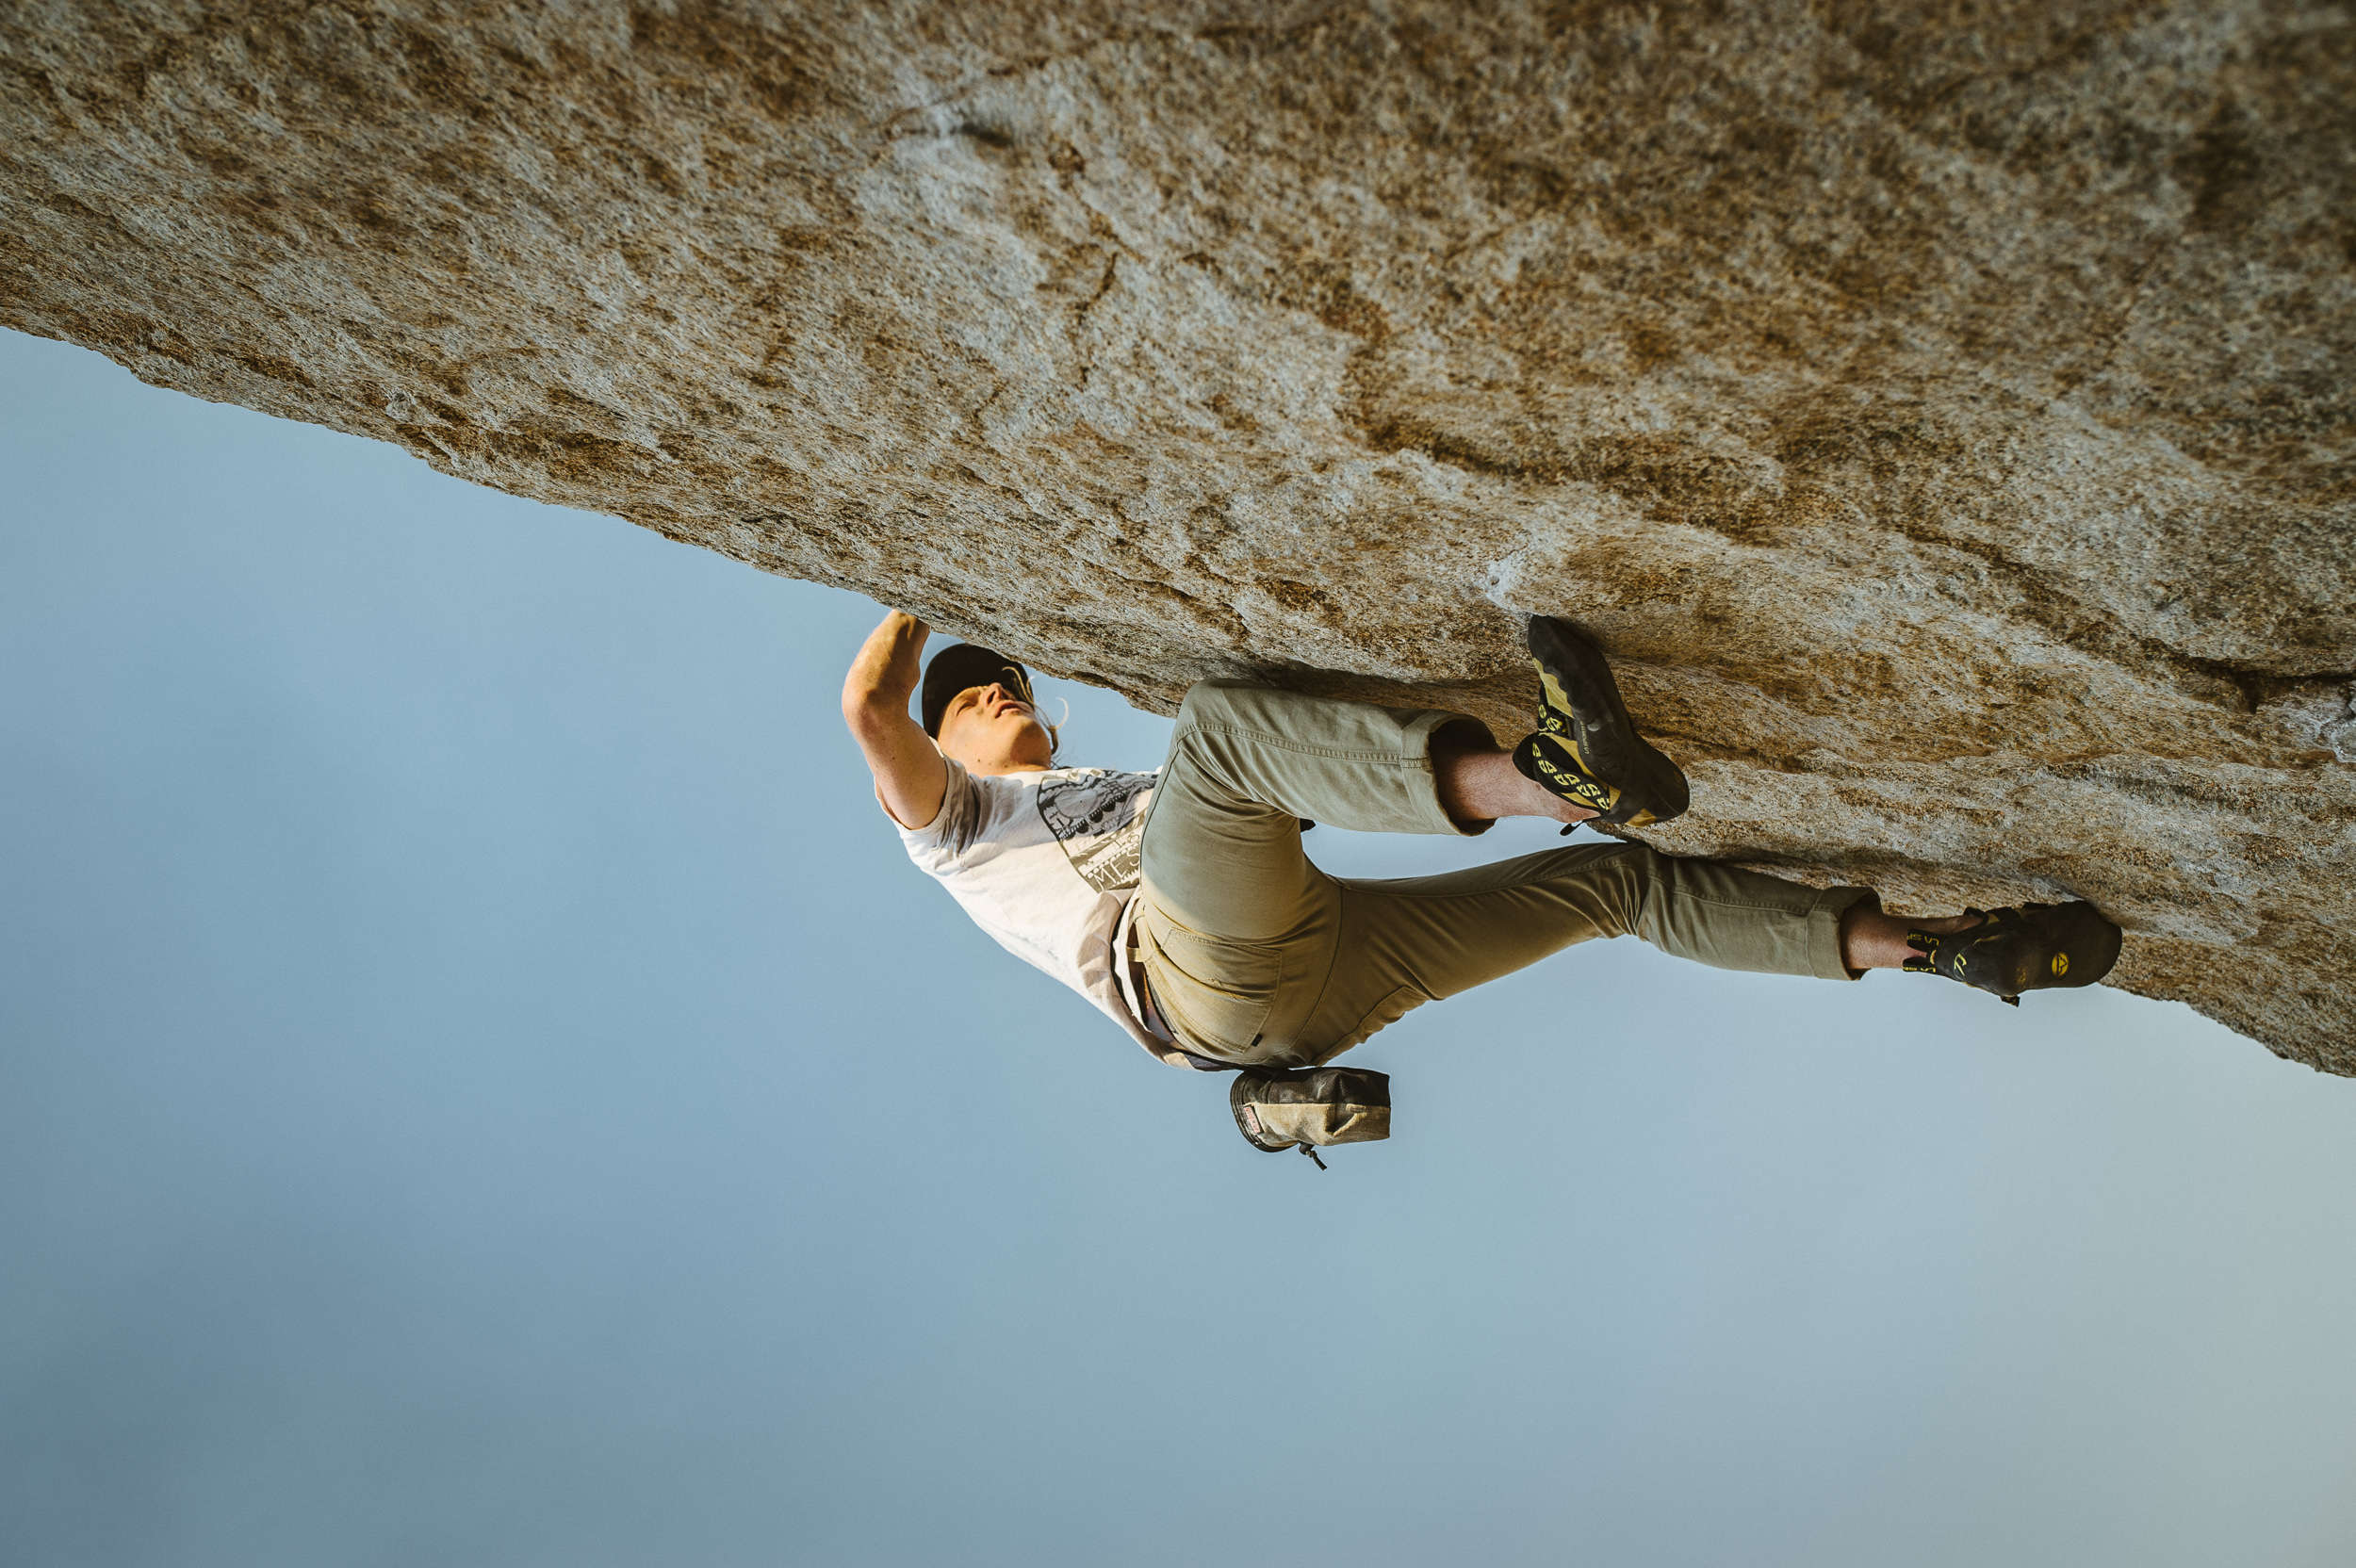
[1182, 905]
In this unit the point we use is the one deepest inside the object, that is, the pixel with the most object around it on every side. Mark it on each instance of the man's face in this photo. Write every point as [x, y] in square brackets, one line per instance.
[990, 728]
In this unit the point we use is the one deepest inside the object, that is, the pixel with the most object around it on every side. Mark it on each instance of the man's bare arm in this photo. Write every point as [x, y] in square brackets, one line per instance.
[909, 773]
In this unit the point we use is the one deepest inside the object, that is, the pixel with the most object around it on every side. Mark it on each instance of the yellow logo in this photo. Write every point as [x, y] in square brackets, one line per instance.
[2061, 963]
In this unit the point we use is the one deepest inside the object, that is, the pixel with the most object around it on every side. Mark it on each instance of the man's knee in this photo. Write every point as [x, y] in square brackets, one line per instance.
[1210, 700]
[1621, 883]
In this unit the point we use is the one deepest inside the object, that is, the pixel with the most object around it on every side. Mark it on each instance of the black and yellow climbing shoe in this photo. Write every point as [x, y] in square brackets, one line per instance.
[1585, 747]
[2033, 948]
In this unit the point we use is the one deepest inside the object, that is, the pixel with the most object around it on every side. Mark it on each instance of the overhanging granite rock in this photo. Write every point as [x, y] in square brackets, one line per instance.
[1946, 424]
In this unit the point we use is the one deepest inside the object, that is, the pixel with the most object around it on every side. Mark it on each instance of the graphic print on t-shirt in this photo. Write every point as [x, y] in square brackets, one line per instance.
[1101, 809]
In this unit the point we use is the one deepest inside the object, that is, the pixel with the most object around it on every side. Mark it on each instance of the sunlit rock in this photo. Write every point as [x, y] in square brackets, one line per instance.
[1943, 413]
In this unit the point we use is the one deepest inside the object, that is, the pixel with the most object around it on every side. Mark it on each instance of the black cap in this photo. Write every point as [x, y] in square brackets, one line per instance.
[962, 667]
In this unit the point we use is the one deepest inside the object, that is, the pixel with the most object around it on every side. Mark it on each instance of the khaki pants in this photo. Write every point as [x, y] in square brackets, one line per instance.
[1256, 956]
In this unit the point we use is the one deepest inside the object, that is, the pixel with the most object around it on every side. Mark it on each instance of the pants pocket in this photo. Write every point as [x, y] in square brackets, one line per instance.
[1217, 994]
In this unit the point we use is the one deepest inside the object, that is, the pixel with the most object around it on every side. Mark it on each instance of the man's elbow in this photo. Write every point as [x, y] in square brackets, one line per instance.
[869, 713]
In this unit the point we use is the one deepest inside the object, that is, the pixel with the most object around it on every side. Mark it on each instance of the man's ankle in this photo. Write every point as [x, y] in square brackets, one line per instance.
[1871, 939]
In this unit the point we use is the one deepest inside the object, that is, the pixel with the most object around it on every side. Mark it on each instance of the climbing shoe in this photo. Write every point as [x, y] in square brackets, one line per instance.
[2033, 948]
[1585, 747]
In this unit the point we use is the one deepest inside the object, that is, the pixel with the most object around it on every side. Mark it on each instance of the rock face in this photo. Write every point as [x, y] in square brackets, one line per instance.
[1943, 413]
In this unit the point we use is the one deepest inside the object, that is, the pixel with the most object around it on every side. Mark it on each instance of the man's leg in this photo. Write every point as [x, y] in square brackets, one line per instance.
[1233, 915]
[1405, 942]
[1257, 956]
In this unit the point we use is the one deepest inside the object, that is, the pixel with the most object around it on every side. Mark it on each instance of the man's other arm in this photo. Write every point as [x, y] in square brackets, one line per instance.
[909, 773]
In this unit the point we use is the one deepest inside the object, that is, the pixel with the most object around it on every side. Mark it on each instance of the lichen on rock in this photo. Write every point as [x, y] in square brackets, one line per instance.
[1941, 414]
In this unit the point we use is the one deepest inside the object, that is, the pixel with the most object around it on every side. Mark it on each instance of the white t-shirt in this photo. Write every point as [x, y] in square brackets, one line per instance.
[1046, 863]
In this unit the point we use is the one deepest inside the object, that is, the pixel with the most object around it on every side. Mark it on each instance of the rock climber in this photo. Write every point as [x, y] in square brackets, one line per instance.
[1181, 901]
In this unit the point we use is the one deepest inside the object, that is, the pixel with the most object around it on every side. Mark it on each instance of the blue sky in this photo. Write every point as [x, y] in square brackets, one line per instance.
[480, 1085]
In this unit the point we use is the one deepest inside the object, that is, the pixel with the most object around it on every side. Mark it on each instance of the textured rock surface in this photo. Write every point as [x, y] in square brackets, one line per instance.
[1942, 411]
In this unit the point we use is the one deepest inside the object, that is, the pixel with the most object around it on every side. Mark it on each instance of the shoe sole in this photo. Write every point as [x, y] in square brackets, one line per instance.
[1603, 739]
